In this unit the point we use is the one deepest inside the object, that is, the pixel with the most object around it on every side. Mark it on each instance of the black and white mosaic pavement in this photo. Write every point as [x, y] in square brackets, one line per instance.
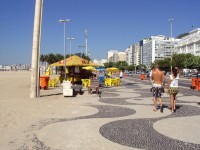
[139, 133]
[136, 133]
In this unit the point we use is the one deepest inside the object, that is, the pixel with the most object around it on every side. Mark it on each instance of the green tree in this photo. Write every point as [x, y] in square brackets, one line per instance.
[163, 64]
[109, 64]
[58, 57]
[50, 58]
[182, 60]
[86, 57]
[121, 65]
[179, 60]
[141, 67]
[131, 68]
[42, 58]
[194, 62]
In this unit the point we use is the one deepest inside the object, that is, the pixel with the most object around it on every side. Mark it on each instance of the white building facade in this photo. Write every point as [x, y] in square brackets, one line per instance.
[110, 54]
[142, 42]
[136, 54]
[158, 48]
[129, 55]
[100, 62]
[119, 56]
[190, 43]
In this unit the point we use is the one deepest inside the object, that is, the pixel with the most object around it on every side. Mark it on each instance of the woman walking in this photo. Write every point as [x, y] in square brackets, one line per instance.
[172, 87]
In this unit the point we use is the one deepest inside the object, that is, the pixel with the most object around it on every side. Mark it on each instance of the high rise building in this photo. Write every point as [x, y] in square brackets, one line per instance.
[142, 42]
[190, 43]
[136, 54]
[158, 48]
[129, 55]
[119, 56]
[110, 54]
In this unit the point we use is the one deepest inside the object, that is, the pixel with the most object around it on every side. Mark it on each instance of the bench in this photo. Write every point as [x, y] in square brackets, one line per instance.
[94, 84]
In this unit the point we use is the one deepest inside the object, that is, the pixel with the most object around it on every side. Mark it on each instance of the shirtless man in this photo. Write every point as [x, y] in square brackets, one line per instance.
[158, 80]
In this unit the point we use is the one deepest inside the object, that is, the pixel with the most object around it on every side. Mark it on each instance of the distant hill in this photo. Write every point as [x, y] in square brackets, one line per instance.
[182, 35]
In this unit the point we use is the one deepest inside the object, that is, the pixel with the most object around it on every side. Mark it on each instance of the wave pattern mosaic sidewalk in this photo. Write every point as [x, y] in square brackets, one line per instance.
[122, 118]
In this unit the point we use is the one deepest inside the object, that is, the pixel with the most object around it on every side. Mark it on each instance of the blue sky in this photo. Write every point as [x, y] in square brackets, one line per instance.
[111, 24]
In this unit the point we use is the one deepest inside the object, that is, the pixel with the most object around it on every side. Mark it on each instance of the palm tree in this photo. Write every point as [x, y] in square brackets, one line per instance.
[42, 58]
[58, 57]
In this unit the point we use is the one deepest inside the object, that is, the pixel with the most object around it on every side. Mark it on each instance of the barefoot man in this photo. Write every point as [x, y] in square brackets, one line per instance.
[158, 80]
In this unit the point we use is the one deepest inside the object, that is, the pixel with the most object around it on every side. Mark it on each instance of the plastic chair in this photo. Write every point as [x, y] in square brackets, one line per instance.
[114, 82]
[84, 82]
[52, 82]
[118, 81]
[108, 82]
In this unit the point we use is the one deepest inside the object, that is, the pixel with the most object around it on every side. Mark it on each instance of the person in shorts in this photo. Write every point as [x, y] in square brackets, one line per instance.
[172, 87]
[158, 79]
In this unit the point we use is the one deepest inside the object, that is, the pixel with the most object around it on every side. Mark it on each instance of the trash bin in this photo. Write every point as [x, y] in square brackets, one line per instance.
[142, 76]
[197, 87]
[124, 75]
[195, 82]
[44, 82]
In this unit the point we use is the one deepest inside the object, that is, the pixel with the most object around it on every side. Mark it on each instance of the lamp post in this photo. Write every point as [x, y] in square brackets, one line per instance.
[171, 21]
[135, 68]
[70, 44]
[64, 21]
[86, 43]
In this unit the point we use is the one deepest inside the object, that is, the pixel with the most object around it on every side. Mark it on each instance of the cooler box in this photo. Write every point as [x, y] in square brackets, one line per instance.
[66, 84]
[67, 92]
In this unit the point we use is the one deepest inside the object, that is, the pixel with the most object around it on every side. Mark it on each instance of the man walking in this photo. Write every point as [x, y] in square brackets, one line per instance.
[158, 80]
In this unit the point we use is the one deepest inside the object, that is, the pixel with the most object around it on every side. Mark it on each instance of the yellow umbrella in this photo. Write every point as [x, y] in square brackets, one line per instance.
[113, 69]
[90, 68]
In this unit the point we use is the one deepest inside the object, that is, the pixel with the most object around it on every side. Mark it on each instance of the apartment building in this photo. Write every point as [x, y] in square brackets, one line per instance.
[158, 48]
[100, 62]
[190, 43]
[136, 54]
[141, 44]
[119, 56]
[115, 56]
[129, 55]
[110, 54]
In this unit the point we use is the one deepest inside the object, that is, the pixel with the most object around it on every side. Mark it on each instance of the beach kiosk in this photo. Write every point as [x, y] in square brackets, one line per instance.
[74, 73]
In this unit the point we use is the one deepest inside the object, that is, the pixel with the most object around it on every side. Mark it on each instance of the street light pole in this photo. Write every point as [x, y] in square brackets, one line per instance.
[171, 21]
[64, 21]
[70, 44]
[86, 43]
